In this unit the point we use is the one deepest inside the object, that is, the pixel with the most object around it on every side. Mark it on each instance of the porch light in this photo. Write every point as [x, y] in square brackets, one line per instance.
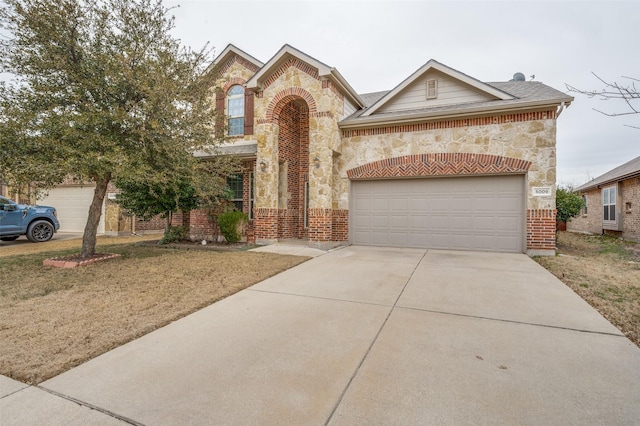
[263, 166]
[316, 162]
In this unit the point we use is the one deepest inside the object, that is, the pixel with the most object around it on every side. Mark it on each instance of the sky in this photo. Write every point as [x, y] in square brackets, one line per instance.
[375, 45]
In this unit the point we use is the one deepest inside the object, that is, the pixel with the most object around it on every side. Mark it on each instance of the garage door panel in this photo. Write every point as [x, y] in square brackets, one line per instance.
[459, 222]
[468, 213]
[484, 223]
[509, 203]
[379, 204]
[379, 222]
[438, 222]
[72, 205]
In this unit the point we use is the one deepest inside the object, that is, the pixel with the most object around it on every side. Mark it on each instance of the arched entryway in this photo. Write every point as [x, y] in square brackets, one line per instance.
[293, 167]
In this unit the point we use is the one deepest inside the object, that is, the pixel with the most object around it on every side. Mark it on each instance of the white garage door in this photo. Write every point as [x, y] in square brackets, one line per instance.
[463, 213]
[72, 203]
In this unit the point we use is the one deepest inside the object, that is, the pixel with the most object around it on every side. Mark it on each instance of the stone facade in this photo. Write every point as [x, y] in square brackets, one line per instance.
[306, 156]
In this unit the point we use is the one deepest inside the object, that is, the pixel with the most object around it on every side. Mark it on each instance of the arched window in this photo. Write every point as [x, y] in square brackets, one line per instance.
[235, 110]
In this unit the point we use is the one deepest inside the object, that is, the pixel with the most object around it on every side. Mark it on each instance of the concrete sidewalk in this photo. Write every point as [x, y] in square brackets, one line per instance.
[363, 335]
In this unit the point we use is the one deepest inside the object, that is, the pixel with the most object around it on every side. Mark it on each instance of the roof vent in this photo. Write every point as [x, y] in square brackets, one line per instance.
[518, 77]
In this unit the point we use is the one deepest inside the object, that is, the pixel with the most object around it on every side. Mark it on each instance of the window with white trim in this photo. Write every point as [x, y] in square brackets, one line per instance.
[609, 197]
[235, 110]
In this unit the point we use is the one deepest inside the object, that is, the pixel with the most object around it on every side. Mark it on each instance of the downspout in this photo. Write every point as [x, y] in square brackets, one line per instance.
[560, 109]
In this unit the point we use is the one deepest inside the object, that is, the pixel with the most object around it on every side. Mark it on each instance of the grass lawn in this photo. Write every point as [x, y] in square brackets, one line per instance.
[604, 271]
[54, 319]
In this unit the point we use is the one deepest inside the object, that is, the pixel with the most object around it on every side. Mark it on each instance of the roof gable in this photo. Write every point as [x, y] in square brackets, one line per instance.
[455, 87]
[622, 172]
[323, 70]
[232, 51]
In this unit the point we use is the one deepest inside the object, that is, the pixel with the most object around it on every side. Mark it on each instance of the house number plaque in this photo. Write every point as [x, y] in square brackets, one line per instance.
[541, 191]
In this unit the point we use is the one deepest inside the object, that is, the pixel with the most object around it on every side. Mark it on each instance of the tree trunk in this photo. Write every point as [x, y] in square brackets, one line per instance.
[167, 222]
[95, 211]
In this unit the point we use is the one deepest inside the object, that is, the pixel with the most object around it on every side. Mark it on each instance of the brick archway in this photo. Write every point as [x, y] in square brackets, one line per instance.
[281, 99]
[439, 164]
[233, 82]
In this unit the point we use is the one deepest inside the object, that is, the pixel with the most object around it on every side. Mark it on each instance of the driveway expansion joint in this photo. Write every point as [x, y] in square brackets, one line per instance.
[373, 342]
[308, 296]
[91, 406]
[511, 321]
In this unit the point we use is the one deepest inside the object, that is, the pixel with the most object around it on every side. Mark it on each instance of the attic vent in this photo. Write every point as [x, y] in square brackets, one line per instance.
[432, 89]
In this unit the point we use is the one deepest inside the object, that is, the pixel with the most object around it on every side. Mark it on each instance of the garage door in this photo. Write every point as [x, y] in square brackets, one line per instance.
[465, 213]
[72, 203]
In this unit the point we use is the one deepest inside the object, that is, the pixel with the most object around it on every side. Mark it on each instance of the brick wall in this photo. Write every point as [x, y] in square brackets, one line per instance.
[320, 225]
[628, 211]
[154, 224]
[293, 148]
[591, 221]
[340, 225]
[541, 230]
[266, 224]
[630, 208]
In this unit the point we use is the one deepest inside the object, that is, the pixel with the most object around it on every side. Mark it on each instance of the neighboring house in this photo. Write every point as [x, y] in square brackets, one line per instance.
[72, 199]
[441, 161]
[612, 203]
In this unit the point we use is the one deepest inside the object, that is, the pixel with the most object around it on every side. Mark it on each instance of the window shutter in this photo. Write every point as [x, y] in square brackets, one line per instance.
[248, 111]
[220, 114]
[432, 89]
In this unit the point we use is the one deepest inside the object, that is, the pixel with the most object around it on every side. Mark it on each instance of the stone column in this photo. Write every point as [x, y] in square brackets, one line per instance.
[266, 185]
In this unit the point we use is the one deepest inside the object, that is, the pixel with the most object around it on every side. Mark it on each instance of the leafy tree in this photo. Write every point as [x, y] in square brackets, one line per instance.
[99, 90]
[568, 204]
[627, 92]
[184, 189]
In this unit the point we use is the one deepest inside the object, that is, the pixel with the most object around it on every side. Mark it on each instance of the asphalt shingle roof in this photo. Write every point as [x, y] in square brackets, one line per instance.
[523, 91]
[624, 171]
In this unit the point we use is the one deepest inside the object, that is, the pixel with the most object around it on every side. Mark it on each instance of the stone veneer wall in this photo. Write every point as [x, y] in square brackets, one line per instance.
[529, 138]
[296, 81]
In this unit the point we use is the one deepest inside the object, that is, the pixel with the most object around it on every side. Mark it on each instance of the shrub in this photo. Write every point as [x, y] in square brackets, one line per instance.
[230, 224]
[174, 234]
[568, 204]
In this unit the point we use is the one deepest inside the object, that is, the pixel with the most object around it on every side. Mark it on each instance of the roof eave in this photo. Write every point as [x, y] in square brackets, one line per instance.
[233, 50]
[589, 186]
[255, 82]
[346, 88]
[378, 120]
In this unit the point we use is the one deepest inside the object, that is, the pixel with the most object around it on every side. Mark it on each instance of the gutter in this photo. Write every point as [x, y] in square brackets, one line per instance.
[607, 182]
[377, 119]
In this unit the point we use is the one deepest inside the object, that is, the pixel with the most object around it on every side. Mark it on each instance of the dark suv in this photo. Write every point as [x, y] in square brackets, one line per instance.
[38, 223]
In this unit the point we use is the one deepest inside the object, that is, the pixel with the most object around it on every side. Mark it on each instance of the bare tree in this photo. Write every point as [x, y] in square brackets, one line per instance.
[615, 91]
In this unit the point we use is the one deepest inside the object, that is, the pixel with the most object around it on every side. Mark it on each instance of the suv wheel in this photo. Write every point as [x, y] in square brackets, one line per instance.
[40, 231]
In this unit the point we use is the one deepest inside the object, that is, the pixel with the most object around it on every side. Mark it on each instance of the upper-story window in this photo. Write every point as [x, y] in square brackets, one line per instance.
[235, 110]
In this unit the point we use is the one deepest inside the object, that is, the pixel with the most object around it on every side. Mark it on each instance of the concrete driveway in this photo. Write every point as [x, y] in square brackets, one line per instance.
[363, 336]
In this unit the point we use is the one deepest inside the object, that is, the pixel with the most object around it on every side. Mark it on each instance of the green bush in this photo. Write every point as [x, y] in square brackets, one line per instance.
[230, 225]
[174, 234]
[568, 204]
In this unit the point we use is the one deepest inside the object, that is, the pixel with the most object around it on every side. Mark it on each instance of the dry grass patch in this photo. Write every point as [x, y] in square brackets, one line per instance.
[54, 319]
[604, 271]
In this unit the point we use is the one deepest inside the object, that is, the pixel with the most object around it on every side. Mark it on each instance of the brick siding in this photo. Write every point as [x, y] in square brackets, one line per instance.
[541, 229]
[440, 164]
[452, 124]
[628, 210]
